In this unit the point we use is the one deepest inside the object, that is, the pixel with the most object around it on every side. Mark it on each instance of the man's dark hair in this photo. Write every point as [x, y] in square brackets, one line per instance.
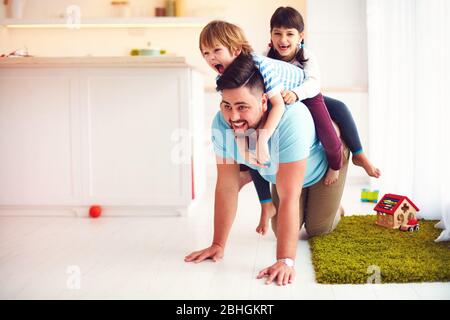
[241, 73]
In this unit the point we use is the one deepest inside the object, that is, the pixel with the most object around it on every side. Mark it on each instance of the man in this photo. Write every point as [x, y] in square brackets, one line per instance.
[298, 162]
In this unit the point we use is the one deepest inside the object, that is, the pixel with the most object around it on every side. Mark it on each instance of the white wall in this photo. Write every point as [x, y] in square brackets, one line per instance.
[337, 35]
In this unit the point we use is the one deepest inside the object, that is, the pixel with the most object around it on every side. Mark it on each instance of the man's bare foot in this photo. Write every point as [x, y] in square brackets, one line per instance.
[268, 210]
[361, 160]
[331, 177]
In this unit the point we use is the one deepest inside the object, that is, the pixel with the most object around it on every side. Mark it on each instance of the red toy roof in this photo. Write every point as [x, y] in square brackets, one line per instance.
[390, 202]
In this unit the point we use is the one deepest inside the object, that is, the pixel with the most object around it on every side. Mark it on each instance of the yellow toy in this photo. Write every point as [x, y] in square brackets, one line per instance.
[369, 196]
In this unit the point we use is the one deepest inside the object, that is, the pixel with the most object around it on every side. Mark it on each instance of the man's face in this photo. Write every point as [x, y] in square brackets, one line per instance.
[241, 109]
[219, 57]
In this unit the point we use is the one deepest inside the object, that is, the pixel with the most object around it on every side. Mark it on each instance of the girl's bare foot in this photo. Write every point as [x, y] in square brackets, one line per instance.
[331, 177]
[361, 160]
[268, 210]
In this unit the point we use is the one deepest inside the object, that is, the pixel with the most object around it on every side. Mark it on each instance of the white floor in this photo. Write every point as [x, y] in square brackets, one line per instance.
[142, 258]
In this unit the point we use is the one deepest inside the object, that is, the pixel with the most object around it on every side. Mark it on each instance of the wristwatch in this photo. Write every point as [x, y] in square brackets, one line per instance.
[287, 261]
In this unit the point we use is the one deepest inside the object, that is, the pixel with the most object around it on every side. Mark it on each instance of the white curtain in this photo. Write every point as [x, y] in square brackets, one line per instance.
[409, 99]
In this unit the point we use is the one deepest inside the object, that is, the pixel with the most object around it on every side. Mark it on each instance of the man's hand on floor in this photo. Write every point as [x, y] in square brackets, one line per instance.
[279, 273]
[214, 252]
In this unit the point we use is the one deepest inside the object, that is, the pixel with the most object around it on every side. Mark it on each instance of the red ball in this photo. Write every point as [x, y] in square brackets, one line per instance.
[95, 211]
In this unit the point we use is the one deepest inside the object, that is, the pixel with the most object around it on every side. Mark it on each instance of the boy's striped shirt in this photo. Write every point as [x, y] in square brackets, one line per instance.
[278, 75]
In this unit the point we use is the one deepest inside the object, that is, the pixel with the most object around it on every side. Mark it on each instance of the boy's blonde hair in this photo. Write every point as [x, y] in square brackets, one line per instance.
[229, 35]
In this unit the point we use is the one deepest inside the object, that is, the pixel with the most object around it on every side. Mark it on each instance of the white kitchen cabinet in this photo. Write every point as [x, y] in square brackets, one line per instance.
[93, 132]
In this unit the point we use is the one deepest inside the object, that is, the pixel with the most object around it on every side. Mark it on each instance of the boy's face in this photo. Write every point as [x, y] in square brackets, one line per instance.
[219, 57]
[286, 41]
[241, 109]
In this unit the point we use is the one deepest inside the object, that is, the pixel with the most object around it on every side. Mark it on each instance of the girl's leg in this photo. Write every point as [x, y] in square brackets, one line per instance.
[340, 114]
[267, 208]
[262, 186]
[327, 136]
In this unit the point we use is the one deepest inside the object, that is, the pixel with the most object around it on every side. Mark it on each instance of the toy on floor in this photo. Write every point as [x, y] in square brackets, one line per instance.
[369, 196]
[412, 225]
[95, 211]
[445, 225]
[397, 212]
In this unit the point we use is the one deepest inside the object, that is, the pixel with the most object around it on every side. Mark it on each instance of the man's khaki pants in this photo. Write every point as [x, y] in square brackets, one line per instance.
[319, 204]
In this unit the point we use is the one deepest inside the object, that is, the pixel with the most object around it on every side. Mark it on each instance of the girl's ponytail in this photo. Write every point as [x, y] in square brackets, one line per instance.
[300, 56]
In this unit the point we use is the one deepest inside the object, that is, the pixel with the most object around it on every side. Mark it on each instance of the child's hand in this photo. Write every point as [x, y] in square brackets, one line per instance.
[253, 160]
[289, 97]
[248, 156]
[262, 150]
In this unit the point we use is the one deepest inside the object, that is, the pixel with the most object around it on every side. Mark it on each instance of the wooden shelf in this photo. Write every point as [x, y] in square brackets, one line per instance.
[132, 22]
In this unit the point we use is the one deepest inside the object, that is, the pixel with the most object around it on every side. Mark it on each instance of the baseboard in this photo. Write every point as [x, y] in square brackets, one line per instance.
[83, 212]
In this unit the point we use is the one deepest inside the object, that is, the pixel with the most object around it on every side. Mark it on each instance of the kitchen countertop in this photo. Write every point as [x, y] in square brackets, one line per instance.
[90, 61]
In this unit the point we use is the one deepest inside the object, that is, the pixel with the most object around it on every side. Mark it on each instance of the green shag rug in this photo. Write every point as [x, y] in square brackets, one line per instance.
[358, 250]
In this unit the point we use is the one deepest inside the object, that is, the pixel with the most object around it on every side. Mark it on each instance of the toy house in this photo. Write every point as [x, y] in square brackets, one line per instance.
[395, 211]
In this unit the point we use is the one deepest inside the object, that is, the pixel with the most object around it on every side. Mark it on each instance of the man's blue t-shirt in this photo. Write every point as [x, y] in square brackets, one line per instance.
[294, 139]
